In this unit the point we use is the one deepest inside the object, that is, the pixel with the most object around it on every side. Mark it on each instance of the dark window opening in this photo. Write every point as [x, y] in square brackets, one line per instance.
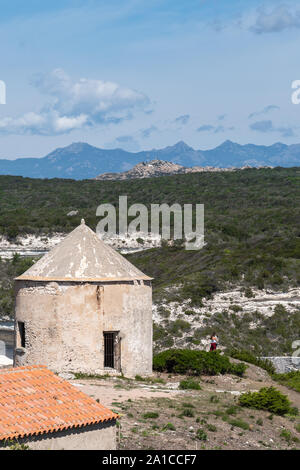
[109, 350]
[112, 350]
[21, 327]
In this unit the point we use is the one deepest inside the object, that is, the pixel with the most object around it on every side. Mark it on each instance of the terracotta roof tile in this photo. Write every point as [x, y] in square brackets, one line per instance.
[33, 400]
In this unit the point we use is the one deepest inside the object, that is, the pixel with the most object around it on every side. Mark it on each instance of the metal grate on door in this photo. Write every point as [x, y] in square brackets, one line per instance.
[109, 350]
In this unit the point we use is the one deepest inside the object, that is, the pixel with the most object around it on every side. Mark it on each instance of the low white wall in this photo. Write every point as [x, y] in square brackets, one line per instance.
[284, 364]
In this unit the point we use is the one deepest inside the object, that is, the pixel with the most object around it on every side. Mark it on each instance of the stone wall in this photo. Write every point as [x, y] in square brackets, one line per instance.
[95, 437]
[285, 364]
[65, 321]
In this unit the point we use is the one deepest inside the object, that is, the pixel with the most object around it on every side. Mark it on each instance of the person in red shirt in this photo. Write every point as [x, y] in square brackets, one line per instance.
[213, 342]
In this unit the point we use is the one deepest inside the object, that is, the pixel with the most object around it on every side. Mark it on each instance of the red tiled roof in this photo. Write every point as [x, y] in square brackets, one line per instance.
[33, 400]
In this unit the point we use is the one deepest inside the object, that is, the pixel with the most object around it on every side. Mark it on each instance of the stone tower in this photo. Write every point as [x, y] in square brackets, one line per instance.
[84, 308]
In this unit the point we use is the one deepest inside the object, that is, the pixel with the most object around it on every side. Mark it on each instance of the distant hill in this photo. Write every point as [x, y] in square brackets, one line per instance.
[155, 168]
[82, 161]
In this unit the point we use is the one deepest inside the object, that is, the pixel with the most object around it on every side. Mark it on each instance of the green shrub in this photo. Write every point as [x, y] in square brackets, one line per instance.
[201, 435]
[288, 437]
[211, 428]
[176, 327]
[249, 293]
[169, 427]
[186, 361]
[214, 399]
[238, 423]
[189, 312]
[150, 415]
[231, 410]
[236, 308]
[14, 445]
[189, 384]
[187, 412]
[269, 399]
[290, 379]
[199, 287]
[252, 359]
[158, 332]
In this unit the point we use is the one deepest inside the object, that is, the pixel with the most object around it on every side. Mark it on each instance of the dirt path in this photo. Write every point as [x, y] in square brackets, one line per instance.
[109, 391]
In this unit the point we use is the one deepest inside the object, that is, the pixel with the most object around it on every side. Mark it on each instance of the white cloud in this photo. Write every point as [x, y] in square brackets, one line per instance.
[277, 20]
[75, 105]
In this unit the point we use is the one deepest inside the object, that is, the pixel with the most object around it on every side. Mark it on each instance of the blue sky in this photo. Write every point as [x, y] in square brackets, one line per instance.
[139, 75]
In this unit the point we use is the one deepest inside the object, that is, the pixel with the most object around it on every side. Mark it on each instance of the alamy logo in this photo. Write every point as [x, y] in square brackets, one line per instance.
[296, 94]
[157, 223]
[2, 92]
[296, 354]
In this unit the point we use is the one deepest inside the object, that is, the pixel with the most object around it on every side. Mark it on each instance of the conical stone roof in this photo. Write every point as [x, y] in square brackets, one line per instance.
[82, 256]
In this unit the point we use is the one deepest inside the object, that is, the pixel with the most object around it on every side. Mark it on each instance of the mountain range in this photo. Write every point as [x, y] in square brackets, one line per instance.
[83, 161]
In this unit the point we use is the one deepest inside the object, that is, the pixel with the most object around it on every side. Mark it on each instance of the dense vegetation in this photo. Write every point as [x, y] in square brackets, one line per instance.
[252, 359]
[9, 269]
[269, 399]
[252, 236]
[290, 379]
[252, 221]
[185, 361]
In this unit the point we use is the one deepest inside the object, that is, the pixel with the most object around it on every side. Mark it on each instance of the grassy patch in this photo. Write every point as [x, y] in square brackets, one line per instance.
[151, 415]
[189, 384]
[169, 427]
[239, 423]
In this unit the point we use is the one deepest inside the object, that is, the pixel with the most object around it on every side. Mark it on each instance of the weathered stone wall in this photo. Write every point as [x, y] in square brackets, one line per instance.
[65, 322]
[130, 312]
[95, 437]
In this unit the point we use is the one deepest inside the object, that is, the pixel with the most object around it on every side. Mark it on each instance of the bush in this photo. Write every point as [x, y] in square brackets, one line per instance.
[150, 415]
[185, 361]
[290, 379]
[212, 428]
[199, 287]
[201, 435]
[187, 412]
[239, 423]
[189, 312]
[252, 359]
[268, 398]
[231, 410]
[189, 384]
[169, 427]
[288, 437]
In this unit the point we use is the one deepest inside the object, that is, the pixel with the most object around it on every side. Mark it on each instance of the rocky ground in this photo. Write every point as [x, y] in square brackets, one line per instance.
[156, 414]
[37, 245]
[156, 168]
[233, 307]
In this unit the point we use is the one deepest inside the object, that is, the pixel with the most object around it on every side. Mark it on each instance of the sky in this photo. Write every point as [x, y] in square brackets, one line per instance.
[139, 75]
